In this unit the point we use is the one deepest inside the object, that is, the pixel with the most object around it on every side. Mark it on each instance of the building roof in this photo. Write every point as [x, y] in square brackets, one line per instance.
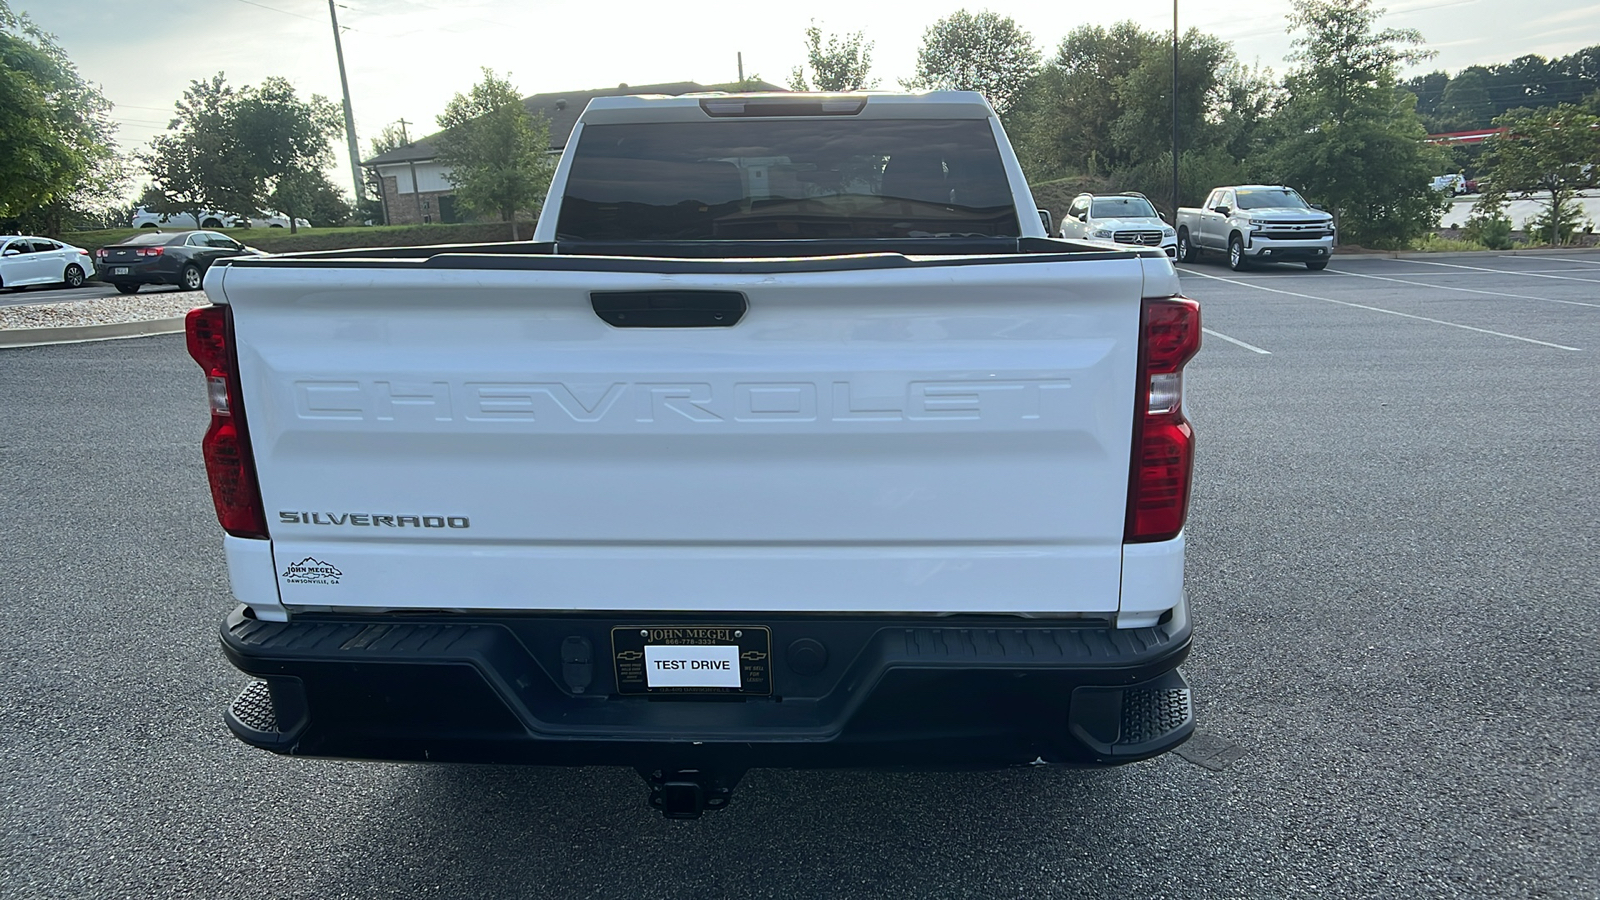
[1476, 136]
[561, 110]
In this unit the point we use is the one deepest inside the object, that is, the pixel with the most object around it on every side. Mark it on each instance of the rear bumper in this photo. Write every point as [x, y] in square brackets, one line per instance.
[884, 691]
[139, 273]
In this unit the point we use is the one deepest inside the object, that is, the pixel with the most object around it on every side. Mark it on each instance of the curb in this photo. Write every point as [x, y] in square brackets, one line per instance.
[77, 334]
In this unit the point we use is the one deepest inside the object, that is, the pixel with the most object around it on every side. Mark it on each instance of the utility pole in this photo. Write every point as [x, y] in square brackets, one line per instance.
[350, 117]
[741, 69]
[404, 139]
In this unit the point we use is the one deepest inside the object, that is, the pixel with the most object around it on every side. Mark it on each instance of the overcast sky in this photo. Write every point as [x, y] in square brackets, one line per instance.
[406, 58]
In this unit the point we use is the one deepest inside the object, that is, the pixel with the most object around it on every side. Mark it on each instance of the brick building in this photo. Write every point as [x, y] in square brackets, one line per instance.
[415, 186]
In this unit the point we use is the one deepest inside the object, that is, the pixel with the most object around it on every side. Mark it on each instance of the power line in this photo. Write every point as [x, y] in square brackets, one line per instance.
[277, 10]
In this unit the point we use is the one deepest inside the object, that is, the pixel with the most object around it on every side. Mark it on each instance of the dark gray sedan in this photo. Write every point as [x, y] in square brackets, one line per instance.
[170, 257]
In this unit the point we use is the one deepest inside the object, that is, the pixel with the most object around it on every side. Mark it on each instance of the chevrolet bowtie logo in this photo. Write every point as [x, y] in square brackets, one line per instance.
[752, 655]
[629, 655]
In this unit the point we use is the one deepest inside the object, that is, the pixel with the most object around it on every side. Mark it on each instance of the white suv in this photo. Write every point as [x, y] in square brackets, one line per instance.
[144, 218]
[1125, 218]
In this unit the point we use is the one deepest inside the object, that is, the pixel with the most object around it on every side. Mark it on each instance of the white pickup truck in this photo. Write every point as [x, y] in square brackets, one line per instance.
[1256, 223]
[790, 440]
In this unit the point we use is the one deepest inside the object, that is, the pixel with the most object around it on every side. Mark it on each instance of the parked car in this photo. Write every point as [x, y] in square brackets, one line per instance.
[1125, 218]
[26, 260]
[1450, 184]
[143, 217]
[173, 257]
[271, 218]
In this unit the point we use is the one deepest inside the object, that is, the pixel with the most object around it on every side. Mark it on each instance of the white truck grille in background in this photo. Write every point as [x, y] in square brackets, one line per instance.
[1289, 231]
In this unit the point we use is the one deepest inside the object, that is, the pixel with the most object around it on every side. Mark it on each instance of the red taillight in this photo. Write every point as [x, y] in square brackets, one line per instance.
[226, 446]
[1171, 333]
[152, 251]
[1163, 443]
[102, 253]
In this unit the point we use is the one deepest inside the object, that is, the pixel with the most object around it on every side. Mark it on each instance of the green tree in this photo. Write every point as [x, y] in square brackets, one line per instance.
[1576, 75]
[1144, 129]
[1429, 89]
[58, 155]
[199, 163]
[310, 194]
[498, 154]
[984, 52]
[842, 65]
[1239, 114]
[1347, 135]
[1554, 151]
[1069, 112]
[1105, 100]
[287, 143]
[1465, 102]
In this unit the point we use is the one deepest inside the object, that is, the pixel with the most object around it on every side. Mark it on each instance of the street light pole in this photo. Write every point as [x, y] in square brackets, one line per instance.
[350, 117]
[1174, 112]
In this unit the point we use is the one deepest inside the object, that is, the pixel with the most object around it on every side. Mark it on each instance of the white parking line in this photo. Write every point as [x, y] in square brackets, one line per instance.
[1233, 340]
[1446, 287]
[1424, 262]
[1391, 312]
[1465, 273]
[1587, 262]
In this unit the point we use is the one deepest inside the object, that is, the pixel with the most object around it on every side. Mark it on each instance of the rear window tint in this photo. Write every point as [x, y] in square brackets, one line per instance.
[784, 179]
[154, 238]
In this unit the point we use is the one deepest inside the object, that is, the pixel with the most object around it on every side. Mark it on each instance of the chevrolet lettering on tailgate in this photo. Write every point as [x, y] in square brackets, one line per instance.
[839, 401]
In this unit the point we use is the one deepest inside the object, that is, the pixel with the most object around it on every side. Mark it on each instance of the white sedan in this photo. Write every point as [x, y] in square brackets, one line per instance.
[25, 260]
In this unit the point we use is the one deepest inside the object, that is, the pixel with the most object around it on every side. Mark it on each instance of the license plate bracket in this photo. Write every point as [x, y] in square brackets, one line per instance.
[692, 659]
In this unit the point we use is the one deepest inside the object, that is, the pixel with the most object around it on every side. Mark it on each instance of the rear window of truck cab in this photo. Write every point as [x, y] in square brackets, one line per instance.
[787, 179]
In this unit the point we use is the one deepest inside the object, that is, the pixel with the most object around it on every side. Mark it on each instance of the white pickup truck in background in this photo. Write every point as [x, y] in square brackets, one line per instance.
[1256, 223]
[790, 440]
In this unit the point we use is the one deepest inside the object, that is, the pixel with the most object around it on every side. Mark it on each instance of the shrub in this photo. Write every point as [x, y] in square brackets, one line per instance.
[1488, 224]
[1491, 232]
[1433, 243]
[1563, 221]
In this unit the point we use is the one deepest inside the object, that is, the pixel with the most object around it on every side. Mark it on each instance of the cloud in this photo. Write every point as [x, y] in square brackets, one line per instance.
[1589, 13]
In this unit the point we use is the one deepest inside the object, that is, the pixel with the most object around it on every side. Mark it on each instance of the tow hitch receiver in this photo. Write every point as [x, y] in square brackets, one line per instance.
[688, 793]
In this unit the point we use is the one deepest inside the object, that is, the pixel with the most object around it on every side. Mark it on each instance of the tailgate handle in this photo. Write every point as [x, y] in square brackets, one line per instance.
[669, 309]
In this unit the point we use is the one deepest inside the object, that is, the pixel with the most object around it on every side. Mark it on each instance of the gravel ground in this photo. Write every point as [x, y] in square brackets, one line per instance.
[102, 311]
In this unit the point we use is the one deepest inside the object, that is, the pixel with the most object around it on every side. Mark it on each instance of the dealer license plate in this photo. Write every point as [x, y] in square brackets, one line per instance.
[120, 270]
[692, 659]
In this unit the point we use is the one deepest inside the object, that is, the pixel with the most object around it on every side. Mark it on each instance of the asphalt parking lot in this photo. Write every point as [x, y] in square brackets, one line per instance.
[1393, 571]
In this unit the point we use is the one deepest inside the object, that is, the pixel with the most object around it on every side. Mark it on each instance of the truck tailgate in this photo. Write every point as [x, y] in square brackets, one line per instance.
[944, 437]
